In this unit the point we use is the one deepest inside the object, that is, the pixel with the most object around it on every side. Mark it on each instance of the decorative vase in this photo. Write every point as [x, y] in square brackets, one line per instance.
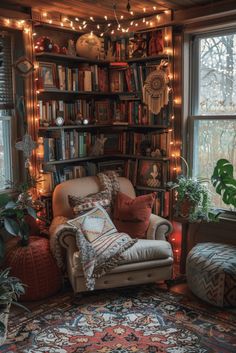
[89, 46]
[35, 266]
[4, 314]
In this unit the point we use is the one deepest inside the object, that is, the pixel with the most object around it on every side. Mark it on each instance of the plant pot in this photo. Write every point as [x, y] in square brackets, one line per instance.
[4, 315]
[185, 207]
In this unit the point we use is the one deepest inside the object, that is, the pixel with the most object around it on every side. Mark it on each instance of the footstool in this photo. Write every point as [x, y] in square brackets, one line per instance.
[211, 273]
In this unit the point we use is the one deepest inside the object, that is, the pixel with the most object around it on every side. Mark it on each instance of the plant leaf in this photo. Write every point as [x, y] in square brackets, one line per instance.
[11, 226]
[32, 212]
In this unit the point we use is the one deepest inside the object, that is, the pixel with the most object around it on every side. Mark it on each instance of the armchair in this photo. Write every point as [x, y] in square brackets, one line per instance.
[148, 260]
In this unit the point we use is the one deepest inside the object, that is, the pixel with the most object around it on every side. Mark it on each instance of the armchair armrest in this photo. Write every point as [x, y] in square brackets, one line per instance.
[67, 238]
[159, 228]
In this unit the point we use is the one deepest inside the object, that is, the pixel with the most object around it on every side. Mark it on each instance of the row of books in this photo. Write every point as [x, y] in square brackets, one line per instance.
[84, 78]
[66, 145]
[50, 110]
[71, 144]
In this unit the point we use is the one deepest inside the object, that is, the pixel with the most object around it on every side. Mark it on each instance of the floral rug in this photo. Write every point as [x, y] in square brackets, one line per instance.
[136, 319]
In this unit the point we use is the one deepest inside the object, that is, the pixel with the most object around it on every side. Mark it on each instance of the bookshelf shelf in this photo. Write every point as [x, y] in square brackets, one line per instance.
[106, 156]
[148, 59]
[104, 126]
[60, 58]
[70, 94]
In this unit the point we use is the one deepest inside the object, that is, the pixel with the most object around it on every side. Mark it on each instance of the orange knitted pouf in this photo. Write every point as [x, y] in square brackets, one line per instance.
[35, 266]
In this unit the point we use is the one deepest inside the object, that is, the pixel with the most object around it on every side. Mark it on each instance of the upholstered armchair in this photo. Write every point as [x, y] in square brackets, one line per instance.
[148, 260]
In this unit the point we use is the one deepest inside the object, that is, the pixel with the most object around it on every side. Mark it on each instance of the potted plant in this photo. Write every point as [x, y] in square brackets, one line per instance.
[10, 290]
[224, 182]
[15, 211]
[192, 198]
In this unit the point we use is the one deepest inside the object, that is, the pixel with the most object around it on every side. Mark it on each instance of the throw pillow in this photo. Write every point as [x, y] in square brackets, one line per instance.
[101, 246]
[80, 205]
[132, 215]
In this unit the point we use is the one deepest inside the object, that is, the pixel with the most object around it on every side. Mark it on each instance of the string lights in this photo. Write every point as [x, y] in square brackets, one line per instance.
[110, 25]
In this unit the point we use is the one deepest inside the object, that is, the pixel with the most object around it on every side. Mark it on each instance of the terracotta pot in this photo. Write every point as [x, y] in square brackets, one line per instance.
[185, 207]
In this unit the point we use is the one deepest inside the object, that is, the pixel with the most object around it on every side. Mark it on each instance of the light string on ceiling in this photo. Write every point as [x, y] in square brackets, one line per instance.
[110, 25]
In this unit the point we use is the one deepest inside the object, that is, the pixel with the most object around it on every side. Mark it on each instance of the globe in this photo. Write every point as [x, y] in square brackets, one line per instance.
[88, 46]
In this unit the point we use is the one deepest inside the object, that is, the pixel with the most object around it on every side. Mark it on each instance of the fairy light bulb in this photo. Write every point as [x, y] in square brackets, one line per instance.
[105, 17]
[112, 32]
[131, 23]
[154, 8]
[158, 18]
[91, 18]
[50, 21]
[62, 25]
[121, 17]
[132, 13]
[76, 19]
[101, 34]
[144, 9]
[45, 14]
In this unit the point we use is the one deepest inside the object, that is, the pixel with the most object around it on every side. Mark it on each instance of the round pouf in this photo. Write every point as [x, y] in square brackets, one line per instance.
[211, 273]
[35, 266]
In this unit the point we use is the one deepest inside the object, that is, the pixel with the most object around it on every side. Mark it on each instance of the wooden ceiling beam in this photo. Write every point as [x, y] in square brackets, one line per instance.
[204, 12]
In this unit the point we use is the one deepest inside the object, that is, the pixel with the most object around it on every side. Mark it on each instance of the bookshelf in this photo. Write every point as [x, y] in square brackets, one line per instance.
[108, 93]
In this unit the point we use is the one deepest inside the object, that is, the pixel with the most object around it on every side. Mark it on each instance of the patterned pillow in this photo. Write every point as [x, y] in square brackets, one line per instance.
[101, 246]
[80, 205]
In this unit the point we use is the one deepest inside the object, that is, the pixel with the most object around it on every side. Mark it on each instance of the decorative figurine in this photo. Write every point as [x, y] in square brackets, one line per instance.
[71, 47]
[98, 147]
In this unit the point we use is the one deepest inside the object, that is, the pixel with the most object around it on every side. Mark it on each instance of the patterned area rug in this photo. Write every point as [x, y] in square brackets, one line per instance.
[136, 319]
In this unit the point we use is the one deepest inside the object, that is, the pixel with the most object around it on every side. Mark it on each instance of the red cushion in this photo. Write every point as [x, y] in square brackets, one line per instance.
[132, 216]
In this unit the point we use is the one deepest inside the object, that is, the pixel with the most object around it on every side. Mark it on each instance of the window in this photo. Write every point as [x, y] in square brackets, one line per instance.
[6, 106]
[213, 102]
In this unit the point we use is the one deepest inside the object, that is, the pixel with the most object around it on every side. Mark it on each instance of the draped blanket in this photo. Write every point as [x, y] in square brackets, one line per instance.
[100, 244]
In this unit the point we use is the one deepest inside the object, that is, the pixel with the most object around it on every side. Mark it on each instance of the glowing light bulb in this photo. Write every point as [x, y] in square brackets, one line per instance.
[121, 17]
[105, 18]
[45, 14]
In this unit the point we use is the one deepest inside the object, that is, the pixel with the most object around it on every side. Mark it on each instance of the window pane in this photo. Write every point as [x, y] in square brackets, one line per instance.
[5, 156]
[213, 139]
[217, 75]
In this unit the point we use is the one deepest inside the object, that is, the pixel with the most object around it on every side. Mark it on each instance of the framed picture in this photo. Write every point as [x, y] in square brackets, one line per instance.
[150, 173]
[113, 143]
[47, 76]
[118, 166]
[102, 111]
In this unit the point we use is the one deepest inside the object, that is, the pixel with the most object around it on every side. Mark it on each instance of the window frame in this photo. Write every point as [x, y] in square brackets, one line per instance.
[194, 91]
[10, 115]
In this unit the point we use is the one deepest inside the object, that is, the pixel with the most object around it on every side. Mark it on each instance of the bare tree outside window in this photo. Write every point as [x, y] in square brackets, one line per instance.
[214, 126]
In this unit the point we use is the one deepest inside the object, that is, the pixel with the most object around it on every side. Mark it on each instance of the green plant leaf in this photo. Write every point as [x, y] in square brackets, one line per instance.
[32, 212]
[10, 204]
[223, 181]
[11, 226]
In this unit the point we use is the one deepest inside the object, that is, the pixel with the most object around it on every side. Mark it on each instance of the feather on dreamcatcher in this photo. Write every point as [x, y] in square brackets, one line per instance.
[155, 89]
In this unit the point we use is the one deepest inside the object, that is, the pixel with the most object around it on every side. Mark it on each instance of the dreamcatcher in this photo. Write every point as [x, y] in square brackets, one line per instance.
[155, 89]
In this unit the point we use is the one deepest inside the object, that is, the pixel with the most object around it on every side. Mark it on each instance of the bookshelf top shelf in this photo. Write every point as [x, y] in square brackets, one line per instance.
[44, 56]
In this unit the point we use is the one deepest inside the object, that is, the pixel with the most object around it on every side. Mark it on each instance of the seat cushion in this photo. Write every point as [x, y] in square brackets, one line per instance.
[141, 253]
[132, 216]
[146, 250]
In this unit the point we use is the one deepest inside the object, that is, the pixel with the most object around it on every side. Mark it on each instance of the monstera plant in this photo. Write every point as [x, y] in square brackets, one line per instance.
[224, 182]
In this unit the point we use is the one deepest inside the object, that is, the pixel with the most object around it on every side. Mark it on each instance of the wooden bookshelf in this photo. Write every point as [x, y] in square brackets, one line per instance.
[139, 123]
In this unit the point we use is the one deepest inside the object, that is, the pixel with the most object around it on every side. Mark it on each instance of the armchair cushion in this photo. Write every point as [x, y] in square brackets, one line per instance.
[131, 215]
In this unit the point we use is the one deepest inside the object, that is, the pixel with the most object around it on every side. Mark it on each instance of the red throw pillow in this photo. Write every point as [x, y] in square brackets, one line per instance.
[132, 216]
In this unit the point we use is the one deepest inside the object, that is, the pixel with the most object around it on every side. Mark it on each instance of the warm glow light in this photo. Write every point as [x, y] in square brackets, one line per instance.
[45, 14]
[121, 17]
[154, 8]
[105, 18]
[144, 9]
[158, 18]
[132, 13]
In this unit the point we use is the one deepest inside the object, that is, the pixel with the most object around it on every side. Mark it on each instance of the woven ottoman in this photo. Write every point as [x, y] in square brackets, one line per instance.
[211, 273]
